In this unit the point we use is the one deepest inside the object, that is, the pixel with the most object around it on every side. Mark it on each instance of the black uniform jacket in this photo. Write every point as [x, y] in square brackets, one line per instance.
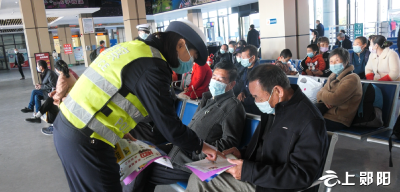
[294, 147]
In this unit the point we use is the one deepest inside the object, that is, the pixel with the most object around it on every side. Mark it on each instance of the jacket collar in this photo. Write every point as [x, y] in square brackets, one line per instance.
[220, 98]
[345, 72]
[296, 98]
[384, 53]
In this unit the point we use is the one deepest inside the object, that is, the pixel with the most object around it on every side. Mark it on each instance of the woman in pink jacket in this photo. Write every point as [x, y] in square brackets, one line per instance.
[66, 80]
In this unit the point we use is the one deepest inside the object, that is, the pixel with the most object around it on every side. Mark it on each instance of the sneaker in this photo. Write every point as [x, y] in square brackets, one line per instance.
[47, 130]
[22, 78]
[26, 110]
[44, 117]
[33, 120]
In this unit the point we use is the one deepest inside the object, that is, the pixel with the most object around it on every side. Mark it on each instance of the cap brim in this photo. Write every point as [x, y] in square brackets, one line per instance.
[190, 35]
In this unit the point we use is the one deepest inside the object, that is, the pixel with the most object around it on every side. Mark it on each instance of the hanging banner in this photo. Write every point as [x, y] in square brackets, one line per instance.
[59, 4]
[67, 49]
[43, 56]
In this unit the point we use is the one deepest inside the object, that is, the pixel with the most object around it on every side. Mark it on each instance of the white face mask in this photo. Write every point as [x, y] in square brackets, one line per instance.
[58, 73]
[15, 52]
[38, 69]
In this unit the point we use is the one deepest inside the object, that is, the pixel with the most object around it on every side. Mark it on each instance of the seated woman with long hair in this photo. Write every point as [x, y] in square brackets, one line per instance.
[66, 80]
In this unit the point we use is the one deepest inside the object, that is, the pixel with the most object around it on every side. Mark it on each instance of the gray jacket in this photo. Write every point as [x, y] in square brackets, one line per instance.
[219, 122]
[49, 80]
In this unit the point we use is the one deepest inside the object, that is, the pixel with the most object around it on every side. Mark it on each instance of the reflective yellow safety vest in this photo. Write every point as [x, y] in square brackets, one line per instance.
[95, 101]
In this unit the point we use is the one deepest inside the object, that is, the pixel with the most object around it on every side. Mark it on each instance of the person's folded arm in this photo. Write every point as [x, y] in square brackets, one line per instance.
[232, 129]
[61, 89]
[52, 81]
[394, 65]
[152, 89]
[343, 92]
[304, 163]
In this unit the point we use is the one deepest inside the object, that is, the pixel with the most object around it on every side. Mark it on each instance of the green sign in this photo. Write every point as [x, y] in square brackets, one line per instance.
[358, 30]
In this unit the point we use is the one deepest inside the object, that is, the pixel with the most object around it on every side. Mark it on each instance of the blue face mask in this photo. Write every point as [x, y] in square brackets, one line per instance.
[231, 50]
[310, 55]
[340, 40]
[238, 59]
[216, 87]
[265, 107]
[337, 68]
[184, 66]
[357, 49]
[143, 36]
[222, 51]
[245, 62]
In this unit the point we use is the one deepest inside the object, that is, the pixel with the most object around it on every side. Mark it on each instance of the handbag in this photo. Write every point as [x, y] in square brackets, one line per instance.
[310, 86]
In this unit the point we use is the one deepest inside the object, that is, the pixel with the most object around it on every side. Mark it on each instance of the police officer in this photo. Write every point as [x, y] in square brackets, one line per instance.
[126, 84]
[144, 31]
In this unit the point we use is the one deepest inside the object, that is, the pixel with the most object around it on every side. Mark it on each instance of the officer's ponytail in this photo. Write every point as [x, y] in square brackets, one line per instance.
[63, 67]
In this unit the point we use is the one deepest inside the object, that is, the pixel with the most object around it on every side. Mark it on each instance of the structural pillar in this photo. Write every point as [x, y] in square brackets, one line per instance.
[88, 40]
[284, 25]
[134, 13]
[65, 37]
[194, 15]
[36, 32]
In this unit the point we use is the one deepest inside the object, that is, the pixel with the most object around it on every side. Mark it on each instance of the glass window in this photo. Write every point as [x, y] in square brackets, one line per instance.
[8, 39]
[212, 14]
[19, 38]
[222, 12]
[185, 18]
[215, 28]
[255, 20]
[234, 27]
[204, 15]
[360, 11]
[319, 8]
[311, 14]
[395, 4]
[342, 12]
[384, 10]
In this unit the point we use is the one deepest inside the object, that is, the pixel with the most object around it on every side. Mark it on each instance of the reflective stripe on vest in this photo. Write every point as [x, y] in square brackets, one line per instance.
[95, 102]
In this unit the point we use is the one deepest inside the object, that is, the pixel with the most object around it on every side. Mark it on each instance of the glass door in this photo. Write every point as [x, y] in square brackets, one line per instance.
[3, 63]
[223, 30]
[244, 26]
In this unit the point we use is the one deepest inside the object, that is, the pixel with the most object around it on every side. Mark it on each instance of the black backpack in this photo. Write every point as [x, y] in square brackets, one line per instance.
[369, 112]
[396, 132]
[93, 55]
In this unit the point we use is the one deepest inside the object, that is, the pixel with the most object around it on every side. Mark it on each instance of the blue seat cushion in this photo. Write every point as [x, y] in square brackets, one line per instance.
[385, 136]
[360, 130]
[182, 184]
[250, 128]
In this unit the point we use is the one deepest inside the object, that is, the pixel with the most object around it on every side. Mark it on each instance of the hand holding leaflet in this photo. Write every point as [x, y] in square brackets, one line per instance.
[205, 169]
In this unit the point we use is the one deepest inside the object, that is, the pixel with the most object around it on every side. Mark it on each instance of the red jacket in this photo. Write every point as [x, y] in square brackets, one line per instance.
[315, 63]
[201, 77]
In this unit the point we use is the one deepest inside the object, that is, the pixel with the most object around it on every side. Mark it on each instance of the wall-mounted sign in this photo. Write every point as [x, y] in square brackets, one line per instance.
[271, 21]
[67, 49]
[358, 30]
[44, 57]
[210, 24]
[88, 25]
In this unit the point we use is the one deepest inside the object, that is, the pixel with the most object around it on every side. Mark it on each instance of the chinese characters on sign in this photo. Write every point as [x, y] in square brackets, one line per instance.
[366, 179]
[358, 30]
[56, 4]
[67, 49]
[88, 26]
[44, 57]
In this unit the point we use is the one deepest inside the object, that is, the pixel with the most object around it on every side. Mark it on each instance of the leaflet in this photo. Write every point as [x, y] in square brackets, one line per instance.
[134, 156]
[207, 170]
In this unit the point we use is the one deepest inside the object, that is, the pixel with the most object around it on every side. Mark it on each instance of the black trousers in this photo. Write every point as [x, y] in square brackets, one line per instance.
[334, 126]
[20, 70]
[89, 164]
[156, 174]
[49, 107]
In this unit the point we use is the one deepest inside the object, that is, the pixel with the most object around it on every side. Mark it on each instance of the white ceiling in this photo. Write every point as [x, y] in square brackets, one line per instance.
[9, 9]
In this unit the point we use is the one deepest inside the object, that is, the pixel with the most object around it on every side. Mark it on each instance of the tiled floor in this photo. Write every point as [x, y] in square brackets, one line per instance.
[29, 162]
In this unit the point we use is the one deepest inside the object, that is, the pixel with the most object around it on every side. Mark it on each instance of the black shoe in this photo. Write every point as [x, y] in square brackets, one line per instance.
[22, 78]
[26, 110]
[34, 120]
[47, 130]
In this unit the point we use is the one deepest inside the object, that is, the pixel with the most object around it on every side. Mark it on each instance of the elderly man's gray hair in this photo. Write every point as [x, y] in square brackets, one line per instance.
[341, 35]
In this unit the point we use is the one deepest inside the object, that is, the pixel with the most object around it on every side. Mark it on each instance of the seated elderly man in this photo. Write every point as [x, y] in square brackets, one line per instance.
[219, 121]
[49, 81]
[289, 146]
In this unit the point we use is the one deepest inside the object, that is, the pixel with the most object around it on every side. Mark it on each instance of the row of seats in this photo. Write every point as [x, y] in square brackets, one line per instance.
[186, 109]
[390, 92]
